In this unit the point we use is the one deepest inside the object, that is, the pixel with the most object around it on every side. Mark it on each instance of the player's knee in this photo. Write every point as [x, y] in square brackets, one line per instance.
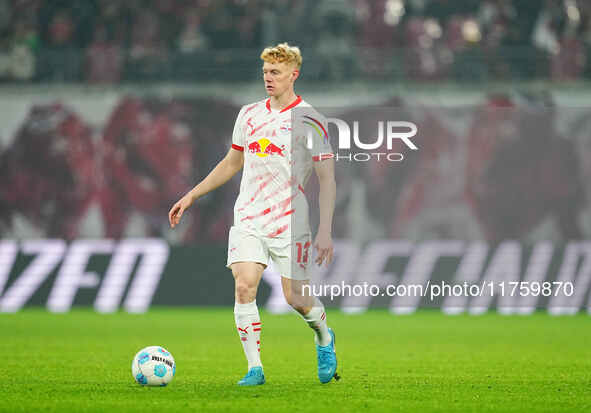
[300, 308]
[245, 290]
[295, 301]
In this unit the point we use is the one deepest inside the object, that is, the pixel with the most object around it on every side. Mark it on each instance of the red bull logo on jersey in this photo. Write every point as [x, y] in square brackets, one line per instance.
[264, 147]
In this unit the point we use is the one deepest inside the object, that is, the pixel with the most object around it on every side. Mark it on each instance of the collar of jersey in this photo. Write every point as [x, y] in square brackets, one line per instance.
[288, 107]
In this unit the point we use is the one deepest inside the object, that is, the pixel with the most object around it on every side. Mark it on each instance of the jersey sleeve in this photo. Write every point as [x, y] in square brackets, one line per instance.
[238, 133]
[318, 142]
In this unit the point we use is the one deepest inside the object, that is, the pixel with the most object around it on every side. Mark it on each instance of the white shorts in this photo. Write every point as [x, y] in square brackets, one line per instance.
[247, 247]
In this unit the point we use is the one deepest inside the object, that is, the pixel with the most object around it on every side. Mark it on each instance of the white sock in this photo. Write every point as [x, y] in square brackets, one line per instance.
[249, 326]
[316, 319]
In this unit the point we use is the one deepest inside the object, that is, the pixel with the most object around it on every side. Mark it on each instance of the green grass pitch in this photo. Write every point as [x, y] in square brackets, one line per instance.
[428, 361]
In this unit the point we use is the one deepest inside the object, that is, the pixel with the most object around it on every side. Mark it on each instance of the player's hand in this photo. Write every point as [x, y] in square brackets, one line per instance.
[176, 212]
[324, 248]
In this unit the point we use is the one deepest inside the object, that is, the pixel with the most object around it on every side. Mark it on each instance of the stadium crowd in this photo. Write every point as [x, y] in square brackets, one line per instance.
[152, 40]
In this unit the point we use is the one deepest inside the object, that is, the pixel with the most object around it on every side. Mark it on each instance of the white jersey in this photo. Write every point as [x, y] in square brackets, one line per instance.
[278, 160]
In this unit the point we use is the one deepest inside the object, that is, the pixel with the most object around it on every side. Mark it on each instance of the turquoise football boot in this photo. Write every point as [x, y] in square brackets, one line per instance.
[254, 377]
[327, 361]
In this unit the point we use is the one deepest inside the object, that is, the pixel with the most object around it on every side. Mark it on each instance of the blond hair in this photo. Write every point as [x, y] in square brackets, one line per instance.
[282, 53]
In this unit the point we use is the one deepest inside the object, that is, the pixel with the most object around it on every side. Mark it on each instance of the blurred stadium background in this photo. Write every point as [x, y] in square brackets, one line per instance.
[110, 110]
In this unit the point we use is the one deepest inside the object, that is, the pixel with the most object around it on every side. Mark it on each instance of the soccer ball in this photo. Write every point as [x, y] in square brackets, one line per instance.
[153, 366]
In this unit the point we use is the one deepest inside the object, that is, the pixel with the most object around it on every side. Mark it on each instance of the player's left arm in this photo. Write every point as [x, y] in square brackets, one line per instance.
[323, 243]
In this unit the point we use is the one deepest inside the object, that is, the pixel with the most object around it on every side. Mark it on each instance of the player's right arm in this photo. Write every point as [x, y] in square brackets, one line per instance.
[222, 173]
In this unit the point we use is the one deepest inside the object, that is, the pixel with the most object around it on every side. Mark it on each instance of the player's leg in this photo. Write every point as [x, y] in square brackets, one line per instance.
[247, 276]
[246, 255]
[297, 294]
[310, 308]
[295, 284]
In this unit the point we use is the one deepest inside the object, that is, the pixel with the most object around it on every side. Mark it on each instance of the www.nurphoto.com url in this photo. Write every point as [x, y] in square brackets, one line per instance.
[438, 289]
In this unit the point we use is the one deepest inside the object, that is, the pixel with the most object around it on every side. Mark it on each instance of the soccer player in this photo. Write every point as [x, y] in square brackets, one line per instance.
[271, 212]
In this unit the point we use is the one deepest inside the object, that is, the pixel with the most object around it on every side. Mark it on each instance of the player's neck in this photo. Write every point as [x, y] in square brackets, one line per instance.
[283, 101]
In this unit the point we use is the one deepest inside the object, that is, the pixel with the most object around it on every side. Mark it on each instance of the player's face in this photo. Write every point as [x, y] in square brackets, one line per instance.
[279, 77]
